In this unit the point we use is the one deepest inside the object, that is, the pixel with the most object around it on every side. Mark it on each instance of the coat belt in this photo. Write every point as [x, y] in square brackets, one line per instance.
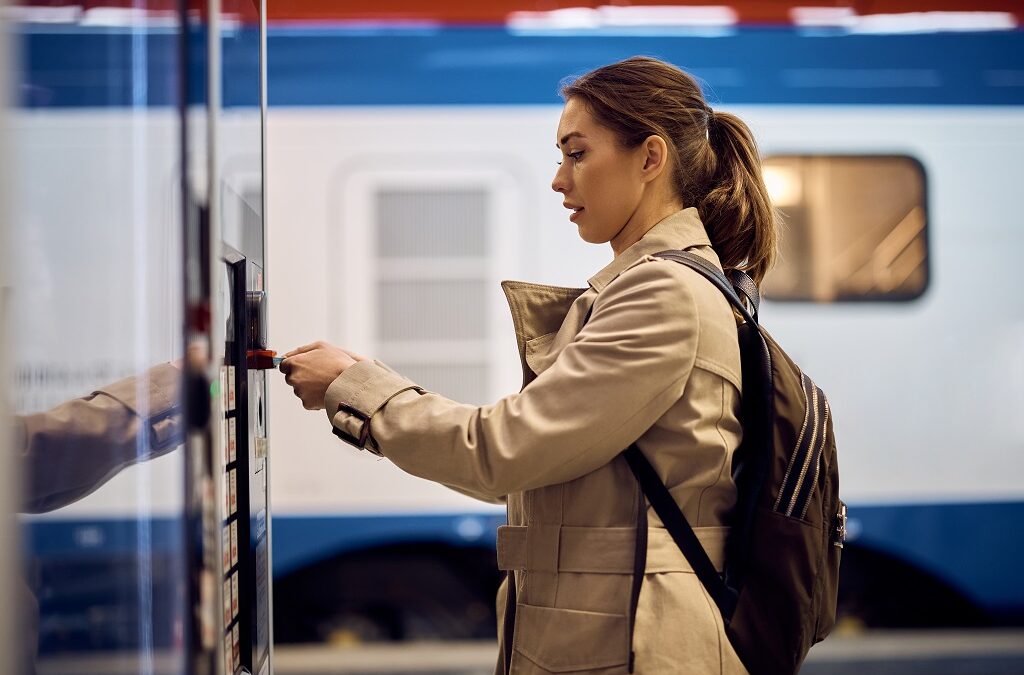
[601, 550]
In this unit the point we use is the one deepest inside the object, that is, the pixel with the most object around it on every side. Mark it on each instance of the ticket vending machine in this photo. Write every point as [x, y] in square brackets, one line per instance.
[227, 322]
[244, 465]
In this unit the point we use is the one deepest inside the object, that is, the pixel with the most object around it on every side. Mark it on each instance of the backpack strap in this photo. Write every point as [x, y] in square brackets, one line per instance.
[707, 269]
[724, 595]
[742, 282]
[723, 589]
[675, 522]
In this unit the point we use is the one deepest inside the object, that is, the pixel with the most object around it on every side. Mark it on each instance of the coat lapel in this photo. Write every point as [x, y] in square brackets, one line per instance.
[537, 310]
[547, 318]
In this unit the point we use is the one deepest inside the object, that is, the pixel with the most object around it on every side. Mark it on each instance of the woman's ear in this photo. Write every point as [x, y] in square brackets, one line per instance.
[655, 156]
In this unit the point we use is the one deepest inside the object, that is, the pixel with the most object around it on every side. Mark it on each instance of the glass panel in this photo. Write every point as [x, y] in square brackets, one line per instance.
[95, 315]
[245, 522]
[855, 228]
[12, 626]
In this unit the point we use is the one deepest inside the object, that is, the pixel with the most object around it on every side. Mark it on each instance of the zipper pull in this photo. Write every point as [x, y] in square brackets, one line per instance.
[839, 538]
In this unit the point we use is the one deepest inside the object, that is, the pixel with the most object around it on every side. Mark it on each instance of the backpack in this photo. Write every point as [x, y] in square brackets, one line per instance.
[777, 593]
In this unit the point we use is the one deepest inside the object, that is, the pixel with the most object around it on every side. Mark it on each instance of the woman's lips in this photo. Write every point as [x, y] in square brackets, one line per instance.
[575, 213]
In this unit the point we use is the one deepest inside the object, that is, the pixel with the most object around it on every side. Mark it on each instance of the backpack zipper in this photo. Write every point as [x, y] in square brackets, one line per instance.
[799, 442]
[807, 458]
[819, 456]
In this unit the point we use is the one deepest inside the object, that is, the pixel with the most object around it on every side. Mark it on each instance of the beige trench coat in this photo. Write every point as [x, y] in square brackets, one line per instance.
[657, 363]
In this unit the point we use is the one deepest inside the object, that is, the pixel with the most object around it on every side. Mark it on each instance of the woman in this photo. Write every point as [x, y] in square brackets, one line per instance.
[647, 353]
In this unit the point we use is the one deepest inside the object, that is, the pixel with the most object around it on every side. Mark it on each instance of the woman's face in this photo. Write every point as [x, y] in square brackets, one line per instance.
[600, 181]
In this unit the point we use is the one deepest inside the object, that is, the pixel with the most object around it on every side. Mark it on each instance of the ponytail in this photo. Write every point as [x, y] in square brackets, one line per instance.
[736, 209]
[717, 166]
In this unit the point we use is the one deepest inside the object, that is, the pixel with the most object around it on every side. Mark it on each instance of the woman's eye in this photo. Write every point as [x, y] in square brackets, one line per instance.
[575, 156]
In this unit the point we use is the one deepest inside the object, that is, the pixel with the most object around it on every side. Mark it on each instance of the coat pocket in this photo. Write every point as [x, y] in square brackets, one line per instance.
[539, 354]
[569, 641]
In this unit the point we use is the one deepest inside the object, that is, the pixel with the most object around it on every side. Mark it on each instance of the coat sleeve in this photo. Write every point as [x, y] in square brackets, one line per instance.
[623, 371]
[73, 449]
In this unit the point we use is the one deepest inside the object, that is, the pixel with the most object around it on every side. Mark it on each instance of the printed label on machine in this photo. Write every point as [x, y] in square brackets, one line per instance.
[232, 494]
[231, 387]
[232, 439]
[227, 601]
[226, 549]
[234, 542]
[236, 652]
[224, 386]
[222, 435]
[234, 594]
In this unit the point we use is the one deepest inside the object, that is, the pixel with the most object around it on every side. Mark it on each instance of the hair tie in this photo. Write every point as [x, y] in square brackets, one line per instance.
[711, 118]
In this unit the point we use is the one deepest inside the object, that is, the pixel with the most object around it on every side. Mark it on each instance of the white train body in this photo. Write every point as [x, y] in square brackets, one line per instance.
[903, 377]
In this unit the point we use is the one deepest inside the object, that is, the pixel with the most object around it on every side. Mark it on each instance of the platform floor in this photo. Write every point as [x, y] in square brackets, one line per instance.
[980, 652]
[985, 652]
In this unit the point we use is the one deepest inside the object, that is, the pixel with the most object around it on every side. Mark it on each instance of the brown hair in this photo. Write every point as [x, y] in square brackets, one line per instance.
[717, 167]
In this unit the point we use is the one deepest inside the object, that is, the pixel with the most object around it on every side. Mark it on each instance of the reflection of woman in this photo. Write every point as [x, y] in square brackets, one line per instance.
[71, 450]
[68, 452]
[647, 353]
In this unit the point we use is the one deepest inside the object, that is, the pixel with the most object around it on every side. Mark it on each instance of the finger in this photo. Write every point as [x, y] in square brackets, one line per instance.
[304, 348]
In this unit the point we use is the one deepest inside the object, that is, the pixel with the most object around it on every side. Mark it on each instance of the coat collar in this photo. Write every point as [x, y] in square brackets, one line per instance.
[681, 230]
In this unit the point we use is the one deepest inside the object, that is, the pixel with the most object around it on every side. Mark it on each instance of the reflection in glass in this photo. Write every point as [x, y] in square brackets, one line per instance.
[95, 313]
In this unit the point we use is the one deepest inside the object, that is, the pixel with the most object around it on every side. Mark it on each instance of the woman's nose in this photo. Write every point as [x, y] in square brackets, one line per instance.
[560, 183]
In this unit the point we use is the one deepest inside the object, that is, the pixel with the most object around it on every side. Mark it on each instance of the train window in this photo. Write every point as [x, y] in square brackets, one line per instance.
[854, 228]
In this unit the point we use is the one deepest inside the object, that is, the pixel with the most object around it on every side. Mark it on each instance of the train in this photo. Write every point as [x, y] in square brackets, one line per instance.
[408, 172]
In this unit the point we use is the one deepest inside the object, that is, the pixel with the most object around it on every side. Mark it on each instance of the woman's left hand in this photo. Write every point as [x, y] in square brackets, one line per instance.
[311, 369]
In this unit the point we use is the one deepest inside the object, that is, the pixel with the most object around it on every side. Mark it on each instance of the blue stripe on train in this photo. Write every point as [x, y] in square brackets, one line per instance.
[302, 540]
[335, 66]
[977, 548]
[974, 547]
